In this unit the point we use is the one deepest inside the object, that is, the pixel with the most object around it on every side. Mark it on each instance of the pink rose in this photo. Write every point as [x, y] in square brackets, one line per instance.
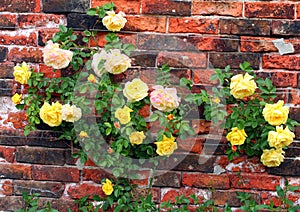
[164, 99]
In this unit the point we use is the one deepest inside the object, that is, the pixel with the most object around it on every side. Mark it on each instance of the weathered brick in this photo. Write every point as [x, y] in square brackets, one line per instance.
[45, 35]
[6, 187]
[192, 145]
[63, 174]
[257, 44]
[193, 25]
[8, 21]
[222, 197]
[221, 60]
[170, 194]
[166, 7]
[28, 54]
[285, 28]
[295, 113]
[6, 87]
[40, 20]
[40, 156]
[81, 190]
[245, 27]
[217, 8]
[145, 23]
[19, 6]
[201, 180]
[95, 175]
[275, 61]
[15, 171]
[45, 189]
[83, 21]
[11, 203]
[213, 43]
[8, 153]
[143, 58]
[192, 162]
[298, 11]
[167, 179]
[6, 70]
[201, 77]
[269, 10]
[18, 38]
[285, 78]
[254, 181]
[293, 96]
[3, 53]
[245, 164]
[61, 6]
[128, 7]
[49, 72]
[100, 41]
[289, 167]
[182, 59]
[62, 204]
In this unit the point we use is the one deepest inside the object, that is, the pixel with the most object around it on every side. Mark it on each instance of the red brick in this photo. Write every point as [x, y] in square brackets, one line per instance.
[293, 181]
[63, 174]
[293, 96]
[276, 61]
[137, 193]
[8, 153]
[285, 78]
[8, 21]
[45, 35]
[95, 175]
[100, 41]
[298, 11]
[285, 27]
[222, 197]
[245, 164]
[269, 10]
[6, 187]
[18, 119]
[18, 38]
[217, 8]
[254, 181]
[166, 7]
[201, 126]
[201, 77]
[15, 171]
[145, 23]
[28, 54]
[201, 180]
[169, 194]
[40, 20]
[182, 59]
[257, 44]
[128, 7]
[214, 43]
[19, 6]
[49, 72]
[6, 70]
[194, 25]
[81, 190]
[193, 145]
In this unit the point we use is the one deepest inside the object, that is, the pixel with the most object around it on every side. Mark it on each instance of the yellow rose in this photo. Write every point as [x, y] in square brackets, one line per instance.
[55, 57]
[123, 114]
[70, 113]
[272, 157]
[281, 138]
[22, 73]
[135, 90]
[107, 187]
[116, 62]
[91, 78]
[83, 134]
[166, 146]
[137, 138]
[242, 86]
[114, 22]
[276, 114]
[17, 98]
[51, 114]
[236, 136]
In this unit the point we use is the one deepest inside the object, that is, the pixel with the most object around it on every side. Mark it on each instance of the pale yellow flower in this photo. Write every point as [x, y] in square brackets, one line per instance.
[70, 113]
[22, 73]
[281, 138]
[137, 138]
[242, 86]
[116, 62]
[83, 134]
[55, 57]
[114, 22]
[51, 114]
[276, 114]
[91, 78]
[135, 90]
[123, 114]
[272, 157]
[164, 99]
[17, 98]
[236, 136]
[166, 146]
[107, 187]
[97, 58]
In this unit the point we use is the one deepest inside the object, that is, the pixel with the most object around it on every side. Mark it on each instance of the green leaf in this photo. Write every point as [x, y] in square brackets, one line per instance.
[92, 12]
[280, 191]
[63, 28]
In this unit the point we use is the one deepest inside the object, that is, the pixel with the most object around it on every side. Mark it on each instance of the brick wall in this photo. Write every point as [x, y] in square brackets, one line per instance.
[193, 36]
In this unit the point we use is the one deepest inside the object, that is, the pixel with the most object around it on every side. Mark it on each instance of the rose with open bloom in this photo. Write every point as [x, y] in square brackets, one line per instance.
[281, 138]
[91, 78]
[272, 157]
[70, 113]
[116, 62]
[276, 114]
[96, 62]
[135, 90]
[123, 114]
[51, 114]
[166, 146]
[236, 136]
[164, 99]
[114, 22]
[22, 73]
[137, 138]
[107, 187]
[17, 98]
[242, 86]
[83, 134]
[55, 57]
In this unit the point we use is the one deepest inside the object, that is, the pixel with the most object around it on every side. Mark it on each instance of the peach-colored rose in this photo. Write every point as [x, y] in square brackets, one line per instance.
[70, 113]
[97, 58]
[164, 99]
[114, 22]
[116, 62]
